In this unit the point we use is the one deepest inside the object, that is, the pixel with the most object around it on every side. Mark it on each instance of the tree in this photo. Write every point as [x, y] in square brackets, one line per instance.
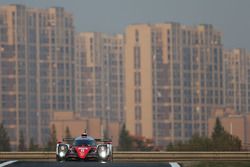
[142, 144]
[21, 146]
[67, 133]
[170, 147]
[219, 136]
[220, 141]
[218, 130]
[4, 139]
[177, 146]
[199, 143]
[196, 143]
[236, 142]
[224, 141]
[33, 146]
[125, 140]
[52, 140]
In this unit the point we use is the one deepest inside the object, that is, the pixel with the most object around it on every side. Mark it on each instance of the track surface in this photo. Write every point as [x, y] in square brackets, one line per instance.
[84, 164]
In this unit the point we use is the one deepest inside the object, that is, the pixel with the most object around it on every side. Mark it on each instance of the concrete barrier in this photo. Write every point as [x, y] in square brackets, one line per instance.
[140, 156]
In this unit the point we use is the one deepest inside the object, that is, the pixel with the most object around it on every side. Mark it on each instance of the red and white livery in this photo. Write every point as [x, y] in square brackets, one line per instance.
[84, 148]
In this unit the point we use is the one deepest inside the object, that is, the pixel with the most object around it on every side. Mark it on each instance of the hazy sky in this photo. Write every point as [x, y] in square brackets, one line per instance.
[232, 17]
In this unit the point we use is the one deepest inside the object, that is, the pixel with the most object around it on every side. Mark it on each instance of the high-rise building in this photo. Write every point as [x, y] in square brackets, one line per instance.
[237, 79]
[173, 78]
[99, 76]
[37, 69]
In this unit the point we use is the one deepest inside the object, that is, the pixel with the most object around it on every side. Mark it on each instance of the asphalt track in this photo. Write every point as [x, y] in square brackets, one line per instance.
[83, 164]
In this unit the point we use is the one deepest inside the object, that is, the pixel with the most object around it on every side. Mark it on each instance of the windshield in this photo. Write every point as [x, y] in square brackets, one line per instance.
[84, 143]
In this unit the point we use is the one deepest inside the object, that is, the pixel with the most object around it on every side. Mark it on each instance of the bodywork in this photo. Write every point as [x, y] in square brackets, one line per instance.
[84, 148]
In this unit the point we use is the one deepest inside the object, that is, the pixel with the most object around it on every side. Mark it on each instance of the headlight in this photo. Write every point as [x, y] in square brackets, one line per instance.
[102, 152]
[62, 148]
[62, 154]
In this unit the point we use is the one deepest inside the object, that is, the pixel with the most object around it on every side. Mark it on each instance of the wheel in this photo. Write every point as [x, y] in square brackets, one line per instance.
[58, 159]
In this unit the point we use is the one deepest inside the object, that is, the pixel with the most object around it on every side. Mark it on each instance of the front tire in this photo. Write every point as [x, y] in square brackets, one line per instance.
[58, 159]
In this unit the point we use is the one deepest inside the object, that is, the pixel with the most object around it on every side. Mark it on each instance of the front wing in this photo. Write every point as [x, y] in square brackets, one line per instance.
[71, 154]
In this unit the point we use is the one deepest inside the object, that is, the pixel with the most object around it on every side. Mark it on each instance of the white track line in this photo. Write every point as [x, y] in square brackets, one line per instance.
[7, 163]
[174, 164]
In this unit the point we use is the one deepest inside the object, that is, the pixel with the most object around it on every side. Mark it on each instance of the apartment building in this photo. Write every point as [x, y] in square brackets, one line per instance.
[37, 69]
[173, 78]
[99, 77]
[237, 79]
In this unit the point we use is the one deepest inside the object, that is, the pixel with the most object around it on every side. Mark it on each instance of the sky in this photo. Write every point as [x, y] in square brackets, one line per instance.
[232, 17]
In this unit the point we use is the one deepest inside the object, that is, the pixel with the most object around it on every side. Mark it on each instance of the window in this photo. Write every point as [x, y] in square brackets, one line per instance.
[137, 112]
[137, 96]
[137, 79]
[136, 35]
[138, 129]
[137, 57]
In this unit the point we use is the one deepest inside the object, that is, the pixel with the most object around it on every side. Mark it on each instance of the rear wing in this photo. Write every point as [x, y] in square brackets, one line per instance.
[104, 140]
[68, 139]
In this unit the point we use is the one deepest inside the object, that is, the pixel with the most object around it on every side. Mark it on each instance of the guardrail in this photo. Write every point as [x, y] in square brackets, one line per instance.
[140, 156]
[181, 156]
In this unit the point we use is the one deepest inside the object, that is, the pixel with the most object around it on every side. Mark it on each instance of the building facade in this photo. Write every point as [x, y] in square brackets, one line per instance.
[237, 79]
[173, 77]
[37, 69]
[65, 119]
[237, 124]
[99, 77]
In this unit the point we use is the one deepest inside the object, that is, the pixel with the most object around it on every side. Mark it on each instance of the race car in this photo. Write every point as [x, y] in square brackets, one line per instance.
[84, 148]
